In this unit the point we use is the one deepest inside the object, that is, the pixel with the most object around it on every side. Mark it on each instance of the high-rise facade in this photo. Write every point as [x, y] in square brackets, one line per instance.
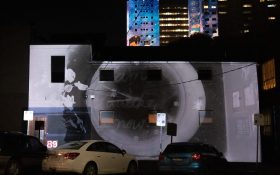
[210, 17]
[248, 17]
[173, 17]
[159, 22]
[143, 23]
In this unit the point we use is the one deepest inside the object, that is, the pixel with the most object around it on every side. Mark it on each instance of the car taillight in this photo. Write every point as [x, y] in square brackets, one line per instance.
[161, 157]
[196, 156]
[71, 156]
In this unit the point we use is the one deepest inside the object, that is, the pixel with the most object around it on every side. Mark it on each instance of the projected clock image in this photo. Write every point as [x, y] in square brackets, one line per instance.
[122, 110]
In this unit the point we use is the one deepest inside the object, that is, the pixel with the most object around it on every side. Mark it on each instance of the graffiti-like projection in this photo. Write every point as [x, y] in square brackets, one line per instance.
[195, 15]
[119, 102]
[133, 97]
[143, 23]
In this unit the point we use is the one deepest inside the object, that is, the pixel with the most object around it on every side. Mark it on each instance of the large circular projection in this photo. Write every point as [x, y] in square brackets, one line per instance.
[122, 110]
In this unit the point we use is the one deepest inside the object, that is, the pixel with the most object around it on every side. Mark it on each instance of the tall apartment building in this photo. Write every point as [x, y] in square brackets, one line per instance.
[143, 23]
[254, 17]
[173, 16]
[181, 18]
[159, 22]
[210, 17]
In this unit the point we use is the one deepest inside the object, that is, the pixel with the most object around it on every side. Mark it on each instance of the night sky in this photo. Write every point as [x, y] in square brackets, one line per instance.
[34, 22]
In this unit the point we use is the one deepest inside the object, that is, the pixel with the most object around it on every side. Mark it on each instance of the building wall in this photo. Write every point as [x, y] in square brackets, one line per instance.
[242, 102]
[173, 20]
[118, 101]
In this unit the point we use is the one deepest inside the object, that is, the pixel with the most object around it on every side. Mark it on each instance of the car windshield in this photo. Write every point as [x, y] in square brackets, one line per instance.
[72, 145]
[181, 148]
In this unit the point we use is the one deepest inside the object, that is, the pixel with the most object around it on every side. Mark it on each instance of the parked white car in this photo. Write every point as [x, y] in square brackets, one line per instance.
[90, 157]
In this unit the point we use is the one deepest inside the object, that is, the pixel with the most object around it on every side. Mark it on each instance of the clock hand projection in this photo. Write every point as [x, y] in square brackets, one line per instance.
[127, 102]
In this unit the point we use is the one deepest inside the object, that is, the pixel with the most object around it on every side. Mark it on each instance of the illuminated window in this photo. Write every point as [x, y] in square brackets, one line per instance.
[267, 128]
[268, 75]
[152, 118]
[106, 117]
[271, 5]
[222, 13]
[247, 5]
[271, 18]
[173, 19]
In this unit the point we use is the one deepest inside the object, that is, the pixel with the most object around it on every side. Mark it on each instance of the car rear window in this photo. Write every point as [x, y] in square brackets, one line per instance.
[10, 143]
[181, 149]
[72, 145]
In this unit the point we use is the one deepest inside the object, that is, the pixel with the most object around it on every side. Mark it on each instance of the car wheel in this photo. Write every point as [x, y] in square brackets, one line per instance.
[90, 169]
[13, 168]
[132, 169]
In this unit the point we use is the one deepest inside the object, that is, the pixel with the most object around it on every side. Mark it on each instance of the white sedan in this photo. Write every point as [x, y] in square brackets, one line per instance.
[90, 157]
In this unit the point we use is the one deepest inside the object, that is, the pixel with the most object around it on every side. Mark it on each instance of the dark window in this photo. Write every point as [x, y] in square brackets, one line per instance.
[39, 125]
[72, 145]
[154, 75]
[57, 69]
[182, 148]
[98, 146]
[112, 148]
[106, 75]
[205, 74]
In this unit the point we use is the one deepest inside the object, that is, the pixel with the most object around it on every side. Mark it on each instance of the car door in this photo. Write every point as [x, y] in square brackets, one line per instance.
[33, 152]
[214, 160]
[98, 153]
[117, 158]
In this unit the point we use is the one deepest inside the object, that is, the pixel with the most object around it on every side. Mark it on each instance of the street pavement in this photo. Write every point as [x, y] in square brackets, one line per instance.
[149, 167]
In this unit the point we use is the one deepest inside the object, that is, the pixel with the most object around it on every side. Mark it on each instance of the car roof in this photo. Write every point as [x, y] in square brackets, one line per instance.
[12, 132]
[190, 143]
[88, 141]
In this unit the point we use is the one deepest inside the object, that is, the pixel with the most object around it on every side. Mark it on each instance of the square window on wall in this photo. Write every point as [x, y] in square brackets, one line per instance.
[57, 69]
[106, 117]
[154, 75]
[106, 75]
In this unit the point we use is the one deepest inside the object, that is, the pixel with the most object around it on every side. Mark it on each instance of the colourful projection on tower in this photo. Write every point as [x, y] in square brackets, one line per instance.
[143, 23]
[195, 15]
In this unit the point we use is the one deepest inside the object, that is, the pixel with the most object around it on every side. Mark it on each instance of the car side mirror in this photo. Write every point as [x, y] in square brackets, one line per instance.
[123, 152]
[220, 154]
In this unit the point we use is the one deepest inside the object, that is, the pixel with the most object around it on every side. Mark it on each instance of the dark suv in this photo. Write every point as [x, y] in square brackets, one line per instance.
[193, 158]
[19, 153]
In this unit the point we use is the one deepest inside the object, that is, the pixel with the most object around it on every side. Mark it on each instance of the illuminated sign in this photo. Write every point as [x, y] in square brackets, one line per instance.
[28, 115]
[161, 119]
[52, 144]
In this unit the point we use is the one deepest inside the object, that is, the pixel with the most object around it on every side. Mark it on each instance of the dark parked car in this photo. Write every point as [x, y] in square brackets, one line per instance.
[20, 152]
[193, 158]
